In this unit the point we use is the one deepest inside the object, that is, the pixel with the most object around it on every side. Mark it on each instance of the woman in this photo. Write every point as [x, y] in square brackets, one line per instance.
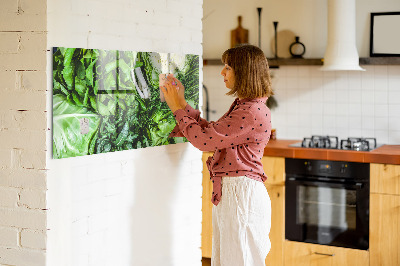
[242, 207]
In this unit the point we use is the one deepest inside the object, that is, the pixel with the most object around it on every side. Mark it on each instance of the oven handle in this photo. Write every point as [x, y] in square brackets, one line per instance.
[357, 185]
[324, 254]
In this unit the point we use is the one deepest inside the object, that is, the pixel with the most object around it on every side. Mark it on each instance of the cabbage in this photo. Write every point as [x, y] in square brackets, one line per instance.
[68, 141]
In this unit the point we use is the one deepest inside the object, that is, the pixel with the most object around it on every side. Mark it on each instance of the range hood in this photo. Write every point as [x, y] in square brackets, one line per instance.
[341, 51]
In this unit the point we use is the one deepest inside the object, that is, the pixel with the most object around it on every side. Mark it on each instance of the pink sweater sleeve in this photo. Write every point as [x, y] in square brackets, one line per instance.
[231, 130]
[193, 113]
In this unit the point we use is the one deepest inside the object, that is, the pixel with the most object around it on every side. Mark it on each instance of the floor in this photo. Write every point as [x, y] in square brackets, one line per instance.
[206, 261]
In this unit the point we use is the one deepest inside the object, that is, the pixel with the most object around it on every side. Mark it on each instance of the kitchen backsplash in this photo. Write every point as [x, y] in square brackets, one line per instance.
[314, 102]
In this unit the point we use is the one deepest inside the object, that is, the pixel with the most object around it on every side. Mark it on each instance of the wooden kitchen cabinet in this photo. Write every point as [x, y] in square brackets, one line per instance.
[274, 168]
[277, 233]
[206, 225]
[305, 254]
[384, 236]
[385, 178]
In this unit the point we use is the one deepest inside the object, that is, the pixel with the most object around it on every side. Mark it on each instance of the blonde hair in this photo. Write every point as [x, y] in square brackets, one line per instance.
[250, 66]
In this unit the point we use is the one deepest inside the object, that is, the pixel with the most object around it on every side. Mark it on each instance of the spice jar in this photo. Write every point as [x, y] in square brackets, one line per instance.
[273, 134]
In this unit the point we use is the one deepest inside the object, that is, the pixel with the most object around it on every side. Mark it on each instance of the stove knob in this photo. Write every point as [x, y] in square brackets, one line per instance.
[308, 166]
[343, 168]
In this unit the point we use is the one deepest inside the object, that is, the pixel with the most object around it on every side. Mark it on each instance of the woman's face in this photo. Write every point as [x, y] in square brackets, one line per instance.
[229, 76]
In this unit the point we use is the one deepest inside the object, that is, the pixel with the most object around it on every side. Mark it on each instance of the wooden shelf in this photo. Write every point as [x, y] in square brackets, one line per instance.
[274, 63]
[380, 61]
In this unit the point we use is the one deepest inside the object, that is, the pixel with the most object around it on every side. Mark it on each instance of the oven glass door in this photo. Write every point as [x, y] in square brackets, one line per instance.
[325, 207]
[326, 213]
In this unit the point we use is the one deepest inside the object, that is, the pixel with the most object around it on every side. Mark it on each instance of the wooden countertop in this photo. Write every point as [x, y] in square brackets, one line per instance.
[389, 154]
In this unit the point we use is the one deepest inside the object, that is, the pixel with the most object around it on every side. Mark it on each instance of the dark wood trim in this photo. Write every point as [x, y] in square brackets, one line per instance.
[273, 63]
[380, 61]
[295, 61]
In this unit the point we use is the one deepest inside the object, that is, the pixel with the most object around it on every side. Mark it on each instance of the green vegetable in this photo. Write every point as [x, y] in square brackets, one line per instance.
[98, 85]
[68, 141]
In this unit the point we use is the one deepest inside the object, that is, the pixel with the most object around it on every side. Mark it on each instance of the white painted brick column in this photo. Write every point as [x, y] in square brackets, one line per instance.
[23, 127]
[133, 207]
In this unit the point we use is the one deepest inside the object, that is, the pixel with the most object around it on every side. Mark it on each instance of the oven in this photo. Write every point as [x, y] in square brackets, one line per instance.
[327, 202]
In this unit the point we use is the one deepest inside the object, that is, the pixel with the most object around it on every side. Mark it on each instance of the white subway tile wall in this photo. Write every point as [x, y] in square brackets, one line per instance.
[313, 102]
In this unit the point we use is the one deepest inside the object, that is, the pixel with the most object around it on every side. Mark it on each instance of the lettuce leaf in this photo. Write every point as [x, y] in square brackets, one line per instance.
[68, 141]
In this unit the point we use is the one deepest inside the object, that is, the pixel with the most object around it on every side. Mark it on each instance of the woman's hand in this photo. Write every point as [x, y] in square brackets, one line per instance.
[174, 94]
[181, 91]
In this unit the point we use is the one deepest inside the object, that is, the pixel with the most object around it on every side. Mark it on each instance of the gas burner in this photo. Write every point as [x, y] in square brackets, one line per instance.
[358, 144]
[327, 142]
[332, 142]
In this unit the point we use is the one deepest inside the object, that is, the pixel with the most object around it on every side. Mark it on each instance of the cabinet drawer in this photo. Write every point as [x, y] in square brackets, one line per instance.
[305, 254]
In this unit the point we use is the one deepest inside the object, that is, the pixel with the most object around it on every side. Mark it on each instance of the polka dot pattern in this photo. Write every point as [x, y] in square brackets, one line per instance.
[238, 139]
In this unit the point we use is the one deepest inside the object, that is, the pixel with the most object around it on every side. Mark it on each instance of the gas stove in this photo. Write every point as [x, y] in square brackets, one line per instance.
[332, 142]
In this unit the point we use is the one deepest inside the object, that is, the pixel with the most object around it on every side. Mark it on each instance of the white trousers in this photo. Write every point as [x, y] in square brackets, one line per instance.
[241, 223]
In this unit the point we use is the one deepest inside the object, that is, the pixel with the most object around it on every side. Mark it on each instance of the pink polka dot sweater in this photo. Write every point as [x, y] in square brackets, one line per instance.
[238, 139]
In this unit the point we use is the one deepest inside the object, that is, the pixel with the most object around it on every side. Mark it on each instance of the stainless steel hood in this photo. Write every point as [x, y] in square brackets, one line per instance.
[341, 51]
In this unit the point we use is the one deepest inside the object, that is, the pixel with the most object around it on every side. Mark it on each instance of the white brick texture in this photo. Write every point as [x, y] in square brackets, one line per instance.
[9, 237]
[8, 82]
[35, 239]
[23, 178]
[5, 157]
[23, 218]
[18, 256]
[33, 199]
[23, 100]
[8, 197]
[31, 53]
[23, 15]
[23, 119]
[23, 125]
[117, 208]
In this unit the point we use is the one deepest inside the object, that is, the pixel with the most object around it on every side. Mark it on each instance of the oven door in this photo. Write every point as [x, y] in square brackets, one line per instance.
[327, 213]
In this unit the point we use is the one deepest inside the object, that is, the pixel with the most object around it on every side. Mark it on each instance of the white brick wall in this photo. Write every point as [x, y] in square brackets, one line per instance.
[93, 200]
[136, 207]
[101, 206]
[23, 128]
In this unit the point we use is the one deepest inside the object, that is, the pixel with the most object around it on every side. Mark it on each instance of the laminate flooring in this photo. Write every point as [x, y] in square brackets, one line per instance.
[206, 261]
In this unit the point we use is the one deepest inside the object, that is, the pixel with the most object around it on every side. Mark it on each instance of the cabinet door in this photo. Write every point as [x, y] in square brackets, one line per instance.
[305, 254]
[385, 178]
[274, 168]
[277, 233]
[384, 230]
[206, 232]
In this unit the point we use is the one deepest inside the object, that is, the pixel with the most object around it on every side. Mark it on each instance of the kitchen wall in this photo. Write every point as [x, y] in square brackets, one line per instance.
[136, 207]
[311, 102]
[304, 18]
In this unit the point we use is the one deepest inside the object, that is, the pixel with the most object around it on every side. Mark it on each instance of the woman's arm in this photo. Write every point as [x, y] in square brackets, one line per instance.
[236, 129]
[177, 101]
